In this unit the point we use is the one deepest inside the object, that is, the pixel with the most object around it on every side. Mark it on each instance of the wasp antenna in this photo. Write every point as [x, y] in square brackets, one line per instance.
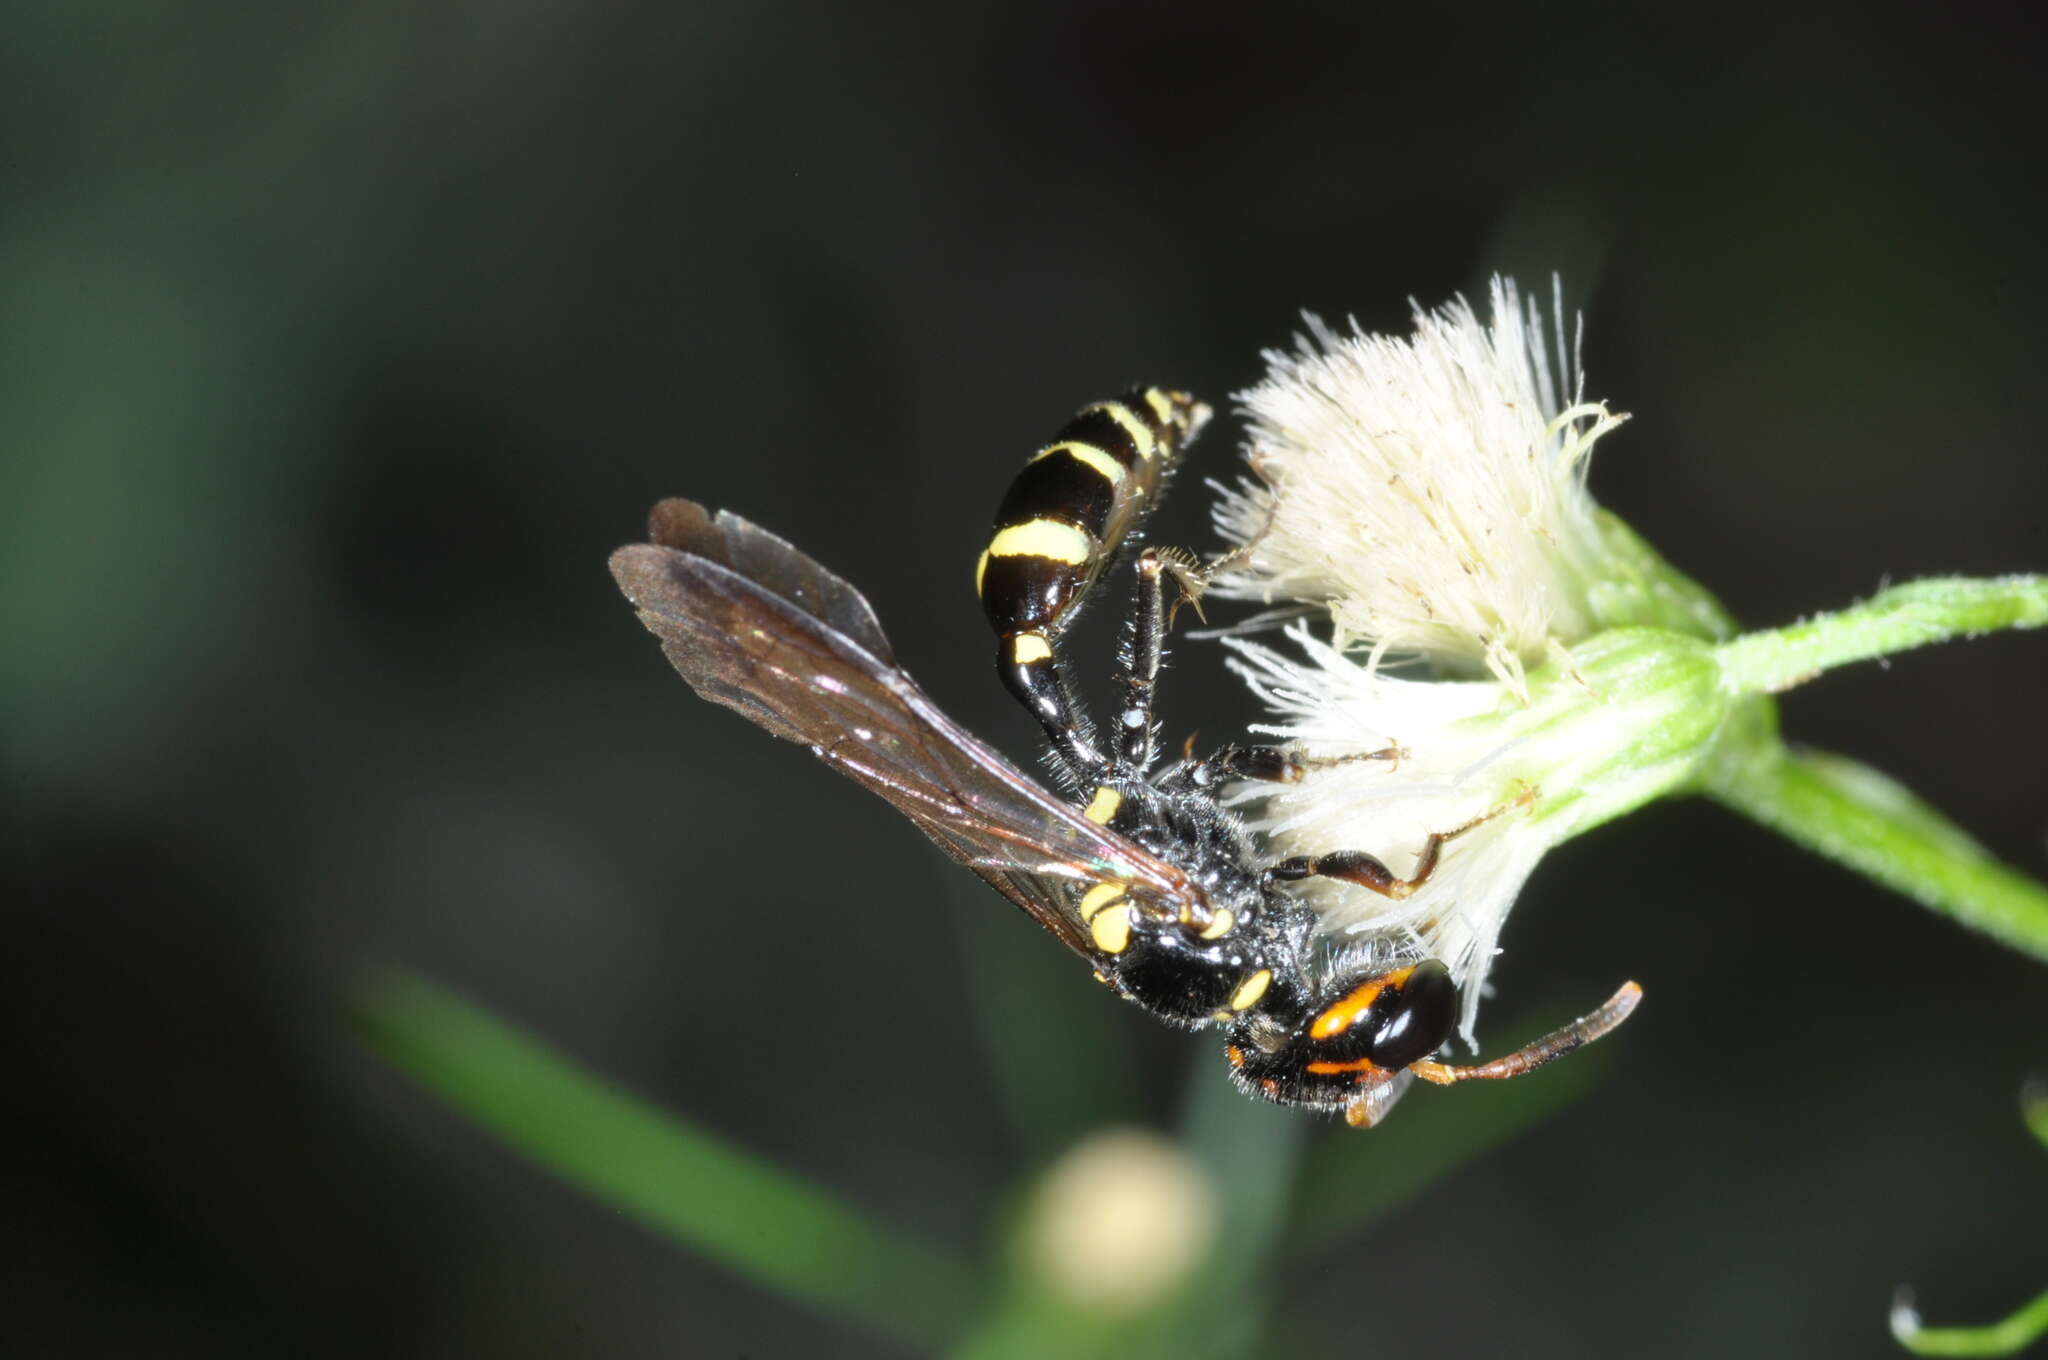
[1550, 1047]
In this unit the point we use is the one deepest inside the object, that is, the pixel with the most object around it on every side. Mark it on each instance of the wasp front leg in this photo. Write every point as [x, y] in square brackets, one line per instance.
[1368, 871]
[1145, 646]
[1275, 764]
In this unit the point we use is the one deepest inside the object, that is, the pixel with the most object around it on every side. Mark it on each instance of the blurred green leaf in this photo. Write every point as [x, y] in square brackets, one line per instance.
[1283, 1193]
[682, 1181]
[1034, 1012]
[2034, 1108]
[1249, 1151]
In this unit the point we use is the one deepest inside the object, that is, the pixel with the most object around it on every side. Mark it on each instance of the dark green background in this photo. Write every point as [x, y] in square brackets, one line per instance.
[338, 346]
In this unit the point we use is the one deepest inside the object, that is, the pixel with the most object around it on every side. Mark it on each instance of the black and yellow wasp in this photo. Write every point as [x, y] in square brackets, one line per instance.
[1142, 872]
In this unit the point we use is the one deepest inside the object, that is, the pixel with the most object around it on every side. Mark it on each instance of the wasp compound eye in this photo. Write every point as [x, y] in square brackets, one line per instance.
[1420, 1018]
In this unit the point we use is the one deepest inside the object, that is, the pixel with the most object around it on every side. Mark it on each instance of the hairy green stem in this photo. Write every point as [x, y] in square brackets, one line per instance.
[1857, 817]
[1894, 620]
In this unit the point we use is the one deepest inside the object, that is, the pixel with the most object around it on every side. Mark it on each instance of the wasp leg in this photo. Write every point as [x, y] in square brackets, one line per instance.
[1393, 753]
[1276, 764]
[1151, 619]
[1030, 668]
[1266, 764]
[1371, 1104]
[1356, 866]
[1143, 651]
[1549, 1048]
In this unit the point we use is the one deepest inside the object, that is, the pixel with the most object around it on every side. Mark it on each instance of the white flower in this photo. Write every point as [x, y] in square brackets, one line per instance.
[1628, 719]
[1429, 493]
[1453, 766]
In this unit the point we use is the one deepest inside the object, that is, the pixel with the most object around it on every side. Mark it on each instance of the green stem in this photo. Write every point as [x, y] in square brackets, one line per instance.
[2008, 1337]
[1894, 620]
[1253, 1152]
[1869, 822]
[754, 1218]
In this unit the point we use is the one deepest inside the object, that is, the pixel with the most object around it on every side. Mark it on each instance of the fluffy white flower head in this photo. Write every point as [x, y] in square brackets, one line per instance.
[1429, 493]
[1453, 765]
[1428, 490]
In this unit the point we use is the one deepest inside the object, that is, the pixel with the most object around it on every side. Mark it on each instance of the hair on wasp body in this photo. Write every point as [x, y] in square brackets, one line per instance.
[1137, 867]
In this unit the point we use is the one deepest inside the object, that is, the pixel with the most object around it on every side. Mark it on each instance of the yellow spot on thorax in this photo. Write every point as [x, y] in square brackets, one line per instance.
[1220, 924]
[1103, 805]
[1111, 470]
[1047, 538]
[1026, 648]
[1098, 897]
[1251, 989]
[1111, 928]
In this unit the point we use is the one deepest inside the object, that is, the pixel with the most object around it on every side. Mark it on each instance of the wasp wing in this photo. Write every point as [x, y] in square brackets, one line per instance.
[760, 627]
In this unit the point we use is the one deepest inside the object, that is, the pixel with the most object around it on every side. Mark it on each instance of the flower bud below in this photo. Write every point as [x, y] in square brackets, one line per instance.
[1119, 1221]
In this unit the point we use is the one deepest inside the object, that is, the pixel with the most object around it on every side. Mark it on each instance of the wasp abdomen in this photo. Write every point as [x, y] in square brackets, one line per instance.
[1075, 501]
[1061, 523]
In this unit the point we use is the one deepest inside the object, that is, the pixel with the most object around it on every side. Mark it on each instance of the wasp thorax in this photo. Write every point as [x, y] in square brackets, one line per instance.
[1186, 971]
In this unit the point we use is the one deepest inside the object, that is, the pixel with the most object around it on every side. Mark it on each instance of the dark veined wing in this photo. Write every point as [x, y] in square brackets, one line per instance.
[756, 625]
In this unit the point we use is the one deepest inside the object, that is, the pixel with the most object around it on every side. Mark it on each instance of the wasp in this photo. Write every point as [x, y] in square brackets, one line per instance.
[1137, 867]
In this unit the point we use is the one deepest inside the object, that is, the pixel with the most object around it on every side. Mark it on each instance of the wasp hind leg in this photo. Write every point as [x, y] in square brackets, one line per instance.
[1144, 649]
[1029, 665]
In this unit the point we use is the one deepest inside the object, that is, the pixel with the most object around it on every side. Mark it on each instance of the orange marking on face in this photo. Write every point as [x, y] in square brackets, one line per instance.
[1330, 1069]
[1355, 1003]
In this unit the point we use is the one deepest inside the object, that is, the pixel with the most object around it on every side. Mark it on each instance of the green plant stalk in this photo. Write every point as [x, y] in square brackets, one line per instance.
[2006, 1337]
[2009, 1336]
[1868, 822]
[1894, 620]
[761, 1222]
[1849, 812]
[1253, 1152]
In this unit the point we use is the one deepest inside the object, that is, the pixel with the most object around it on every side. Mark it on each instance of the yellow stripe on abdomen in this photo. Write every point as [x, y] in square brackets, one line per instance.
[1142, 438]
[1088, 455]
[1045, 538]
